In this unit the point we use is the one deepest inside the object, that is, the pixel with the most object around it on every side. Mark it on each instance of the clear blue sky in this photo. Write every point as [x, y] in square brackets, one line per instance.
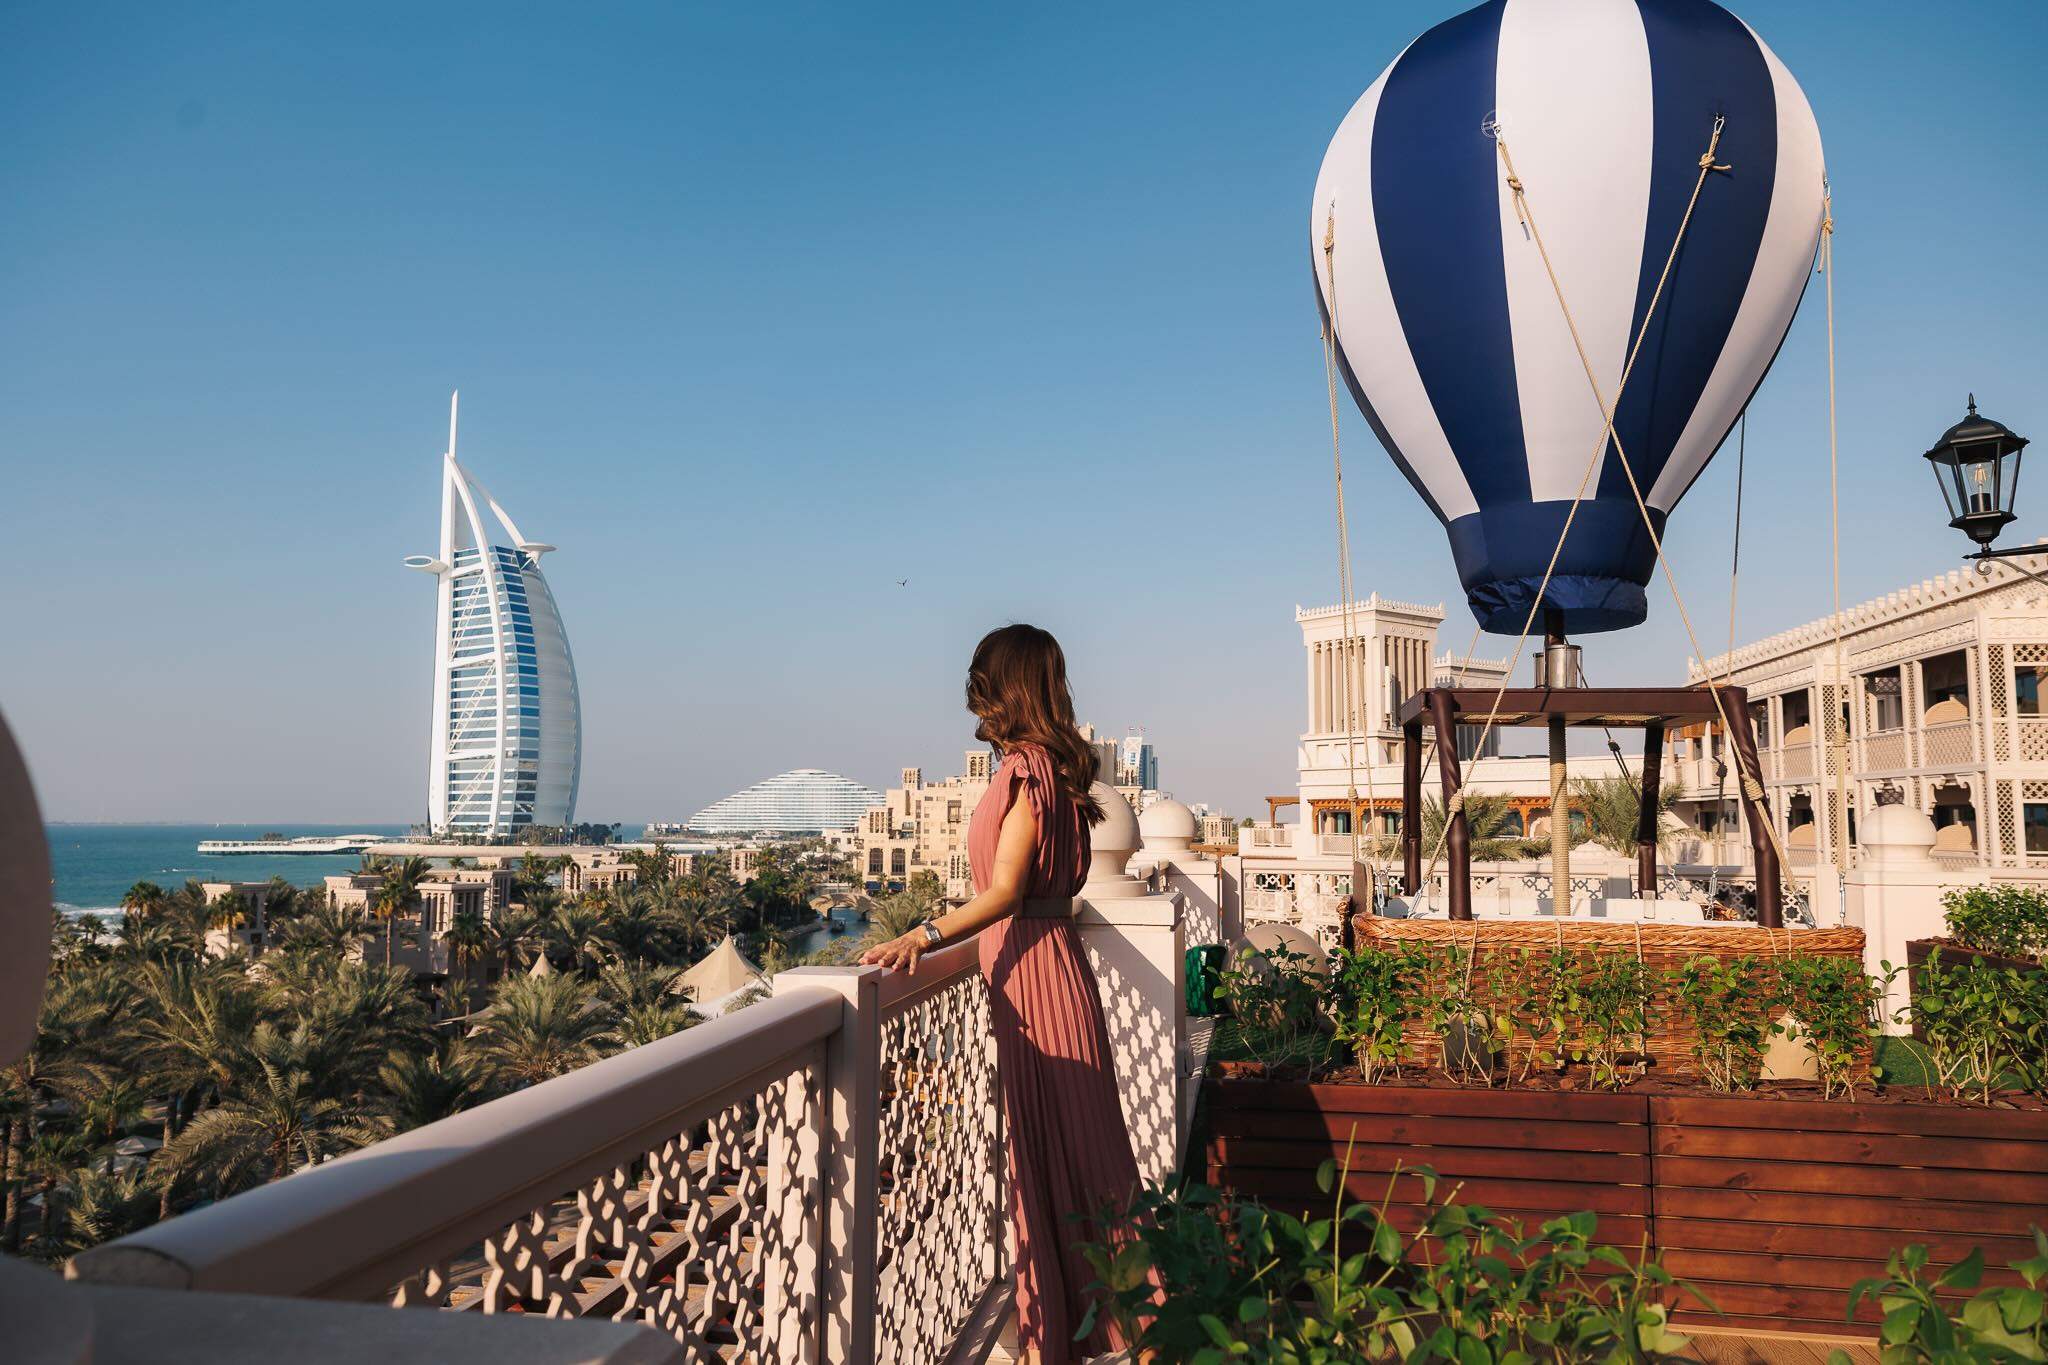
[756, 309]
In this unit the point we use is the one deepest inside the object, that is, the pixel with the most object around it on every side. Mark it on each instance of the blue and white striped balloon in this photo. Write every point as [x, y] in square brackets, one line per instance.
[1447, 328]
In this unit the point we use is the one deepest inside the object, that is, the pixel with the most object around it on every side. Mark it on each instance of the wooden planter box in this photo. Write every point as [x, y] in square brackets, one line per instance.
[1774, 1208]
[1918, 950]
[1528, 1156]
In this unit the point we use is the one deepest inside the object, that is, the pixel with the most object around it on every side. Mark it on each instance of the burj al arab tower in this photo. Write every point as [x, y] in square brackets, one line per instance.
[507, 725]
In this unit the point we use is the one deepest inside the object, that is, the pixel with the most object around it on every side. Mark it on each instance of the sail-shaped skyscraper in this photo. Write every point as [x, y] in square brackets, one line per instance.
[507, 724]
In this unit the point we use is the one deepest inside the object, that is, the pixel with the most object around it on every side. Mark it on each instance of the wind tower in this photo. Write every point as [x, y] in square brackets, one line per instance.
[507, 746]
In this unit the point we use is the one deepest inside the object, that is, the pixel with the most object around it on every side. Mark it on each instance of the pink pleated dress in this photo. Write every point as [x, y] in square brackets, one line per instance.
[1069, 1149]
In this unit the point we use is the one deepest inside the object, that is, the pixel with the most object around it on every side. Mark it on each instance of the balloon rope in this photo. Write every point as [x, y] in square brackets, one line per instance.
[1348, 657]
[1751, 786]
[1838, 722]
[1526, 216]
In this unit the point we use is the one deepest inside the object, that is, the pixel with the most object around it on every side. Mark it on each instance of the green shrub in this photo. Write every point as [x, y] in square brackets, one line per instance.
[1611, 1013]
[1248, 1283]
[1519, 991]
[1834, 1003]
[1731, 1005]
[2010, 921]
[1377, 991]
[1995, 1326]
[1273, 994]
[1983, 1025]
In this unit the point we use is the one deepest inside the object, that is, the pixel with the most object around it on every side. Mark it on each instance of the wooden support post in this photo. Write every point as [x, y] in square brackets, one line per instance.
[1770, 904]
[1458, 831]
[1411, 807]
[1647, 831]
[1554, 646]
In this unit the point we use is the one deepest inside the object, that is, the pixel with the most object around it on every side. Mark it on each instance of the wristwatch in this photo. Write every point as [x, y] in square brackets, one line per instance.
[932, 934]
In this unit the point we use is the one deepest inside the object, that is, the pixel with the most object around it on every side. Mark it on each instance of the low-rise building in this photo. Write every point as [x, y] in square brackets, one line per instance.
[252, 933]
[422, 943]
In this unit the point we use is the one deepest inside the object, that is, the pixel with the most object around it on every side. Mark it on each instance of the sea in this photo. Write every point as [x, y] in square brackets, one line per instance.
[92, 866]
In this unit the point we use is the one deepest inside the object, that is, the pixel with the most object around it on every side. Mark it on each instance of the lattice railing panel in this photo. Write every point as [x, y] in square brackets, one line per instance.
[1951, 744]
[684, 1238]
[2033, 732]
[2008, 824]
[1886, 749]
[1796, 762]
[940, 1236]
[2000, 686]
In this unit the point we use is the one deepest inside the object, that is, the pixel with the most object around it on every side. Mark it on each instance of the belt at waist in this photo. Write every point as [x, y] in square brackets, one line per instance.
[1046, 907]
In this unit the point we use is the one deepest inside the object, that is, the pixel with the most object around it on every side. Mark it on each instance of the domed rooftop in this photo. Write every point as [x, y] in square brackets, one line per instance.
[1167, 824]
[801, 801]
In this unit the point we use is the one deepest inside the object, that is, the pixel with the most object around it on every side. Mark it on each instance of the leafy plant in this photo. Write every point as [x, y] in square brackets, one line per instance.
[1470, 1032]
[1996, 1325]
[1488, 818]
[1273, 995]
[1248, 1283]
[1981, 1024]
[1834, 1007]
[1377, 994]
[1730, 1006]
[1518, 988]
[1544, 1006]
[2008, 921]
[1611, 1010]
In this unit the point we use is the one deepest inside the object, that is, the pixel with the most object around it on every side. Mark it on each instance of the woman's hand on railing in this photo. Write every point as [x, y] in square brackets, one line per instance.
[902, 951]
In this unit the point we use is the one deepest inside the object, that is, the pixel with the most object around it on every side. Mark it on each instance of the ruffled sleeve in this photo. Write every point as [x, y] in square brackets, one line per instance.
[1060, 863]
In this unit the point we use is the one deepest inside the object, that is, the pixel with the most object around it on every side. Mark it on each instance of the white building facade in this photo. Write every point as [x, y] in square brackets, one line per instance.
[507, 746]
[801, 801]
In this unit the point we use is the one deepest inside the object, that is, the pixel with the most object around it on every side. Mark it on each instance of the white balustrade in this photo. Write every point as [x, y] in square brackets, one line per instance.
[1952, 744]
[818, 1177]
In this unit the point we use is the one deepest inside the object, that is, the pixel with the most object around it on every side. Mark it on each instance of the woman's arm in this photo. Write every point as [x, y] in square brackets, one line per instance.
[1016, 842]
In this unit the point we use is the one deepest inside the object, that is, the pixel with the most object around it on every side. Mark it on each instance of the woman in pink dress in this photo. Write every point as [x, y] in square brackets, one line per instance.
[1069, 1150]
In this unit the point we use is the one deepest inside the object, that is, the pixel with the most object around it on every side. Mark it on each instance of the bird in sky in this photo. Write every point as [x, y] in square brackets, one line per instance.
[902, 582]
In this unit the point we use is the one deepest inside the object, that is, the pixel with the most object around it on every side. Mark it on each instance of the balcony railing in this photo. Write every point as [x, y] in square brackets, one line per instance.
[1952, 744]
[1266, 836]
[818, 1177]
[1885, 749]
[1796, 761]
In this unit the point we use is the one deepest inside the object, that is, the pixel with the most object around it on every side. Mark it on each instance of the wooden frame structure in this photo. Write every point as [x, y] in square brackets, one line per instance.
[1651, 709]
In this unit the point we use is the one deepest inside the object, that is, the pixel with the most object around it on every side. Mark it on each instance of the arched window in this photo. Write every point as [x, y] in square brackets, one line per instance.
[874, 862]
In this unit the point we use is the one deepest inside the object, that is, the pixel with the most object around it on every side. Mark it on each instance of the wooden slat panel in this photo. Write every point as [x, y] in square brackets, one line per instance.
[1793, 1239]
[1773, 1144]
[1814, 1116]
[1909, 1217]
[1473, 1102]
[1446, 1132]
[1595, 1167]
[1501, 1195]
[1788, 1309]
[2001, 1188]
[1809, 1272]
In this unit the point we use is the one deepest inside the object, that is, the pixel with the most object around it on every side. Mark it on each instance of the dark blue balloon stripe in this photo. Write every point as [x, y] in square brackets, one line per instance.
[1435, 190]
[1358, 396]
[1703, 63]
[1502, 552]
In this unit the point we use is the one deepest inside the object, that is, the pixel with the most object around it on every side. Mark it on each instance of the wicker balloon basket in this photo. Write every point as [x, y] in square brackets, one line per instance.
[1668, 1040]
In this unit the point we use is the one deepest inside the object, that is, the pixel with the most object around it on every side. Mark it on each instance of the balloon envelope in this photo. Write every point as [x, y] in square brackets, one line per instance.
[1448, 331]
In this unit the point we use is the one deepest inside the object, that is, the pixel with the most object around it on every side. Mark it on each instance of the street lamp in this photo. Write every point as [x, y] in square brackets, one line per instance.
[1977, 464]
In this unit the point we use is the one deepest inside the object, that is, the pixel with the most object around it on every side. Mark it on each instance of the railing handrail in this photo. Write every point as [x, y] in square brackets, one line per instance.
[356, 1226]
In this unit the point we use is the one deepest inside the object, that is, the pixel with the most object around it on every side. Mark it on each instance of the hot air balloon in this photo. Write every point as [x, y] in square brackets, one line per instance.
[1445, 323]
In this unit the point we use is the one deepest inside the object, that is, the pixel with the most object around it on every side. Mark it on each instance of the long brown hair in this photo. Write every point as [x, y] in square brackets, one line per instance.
[1017, 685]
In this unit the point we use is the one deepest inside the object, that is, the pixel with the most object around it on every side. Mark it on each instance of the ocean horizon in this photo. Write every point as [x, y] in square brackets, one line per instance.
[92, 864]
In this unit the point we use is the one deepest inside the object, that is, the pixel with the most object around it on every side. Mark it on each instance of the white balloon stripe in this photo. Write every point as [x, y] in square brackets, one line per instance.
[1571, 93]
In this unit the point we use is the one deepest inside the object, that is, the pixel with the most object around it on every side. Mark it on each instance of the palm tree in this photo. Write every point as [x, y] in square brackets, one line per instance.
[277, 1119]
[366, 1013]
[543, 1026]
[575, 938]
[154, 940]
[469, 940]
[325, 928]
[649, 1022]
[1613, 805]
[102, 1205]
[199, 1016]
[62, 1064]
[1487, 818]
[229, 912]
[50, 1159]
[636, 926]
[422, 1088]
[630, 985]
[398, 894]
[514, 935]
[144, 900]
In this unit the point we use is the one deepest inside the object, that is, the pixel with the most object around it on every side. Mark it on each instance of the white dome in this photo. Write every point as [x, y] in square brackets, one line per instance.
[1112, 842]
[1167, 824]
[1896, 834]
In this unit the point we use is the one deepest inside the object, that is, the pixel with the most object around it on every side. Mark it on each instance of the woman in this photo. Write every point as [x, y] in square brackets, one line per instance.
[1069, 1152]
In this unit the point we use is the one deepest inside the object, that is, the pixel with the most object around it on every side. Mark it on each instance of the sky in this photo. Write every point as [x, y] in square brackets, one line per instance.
[757, 309]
